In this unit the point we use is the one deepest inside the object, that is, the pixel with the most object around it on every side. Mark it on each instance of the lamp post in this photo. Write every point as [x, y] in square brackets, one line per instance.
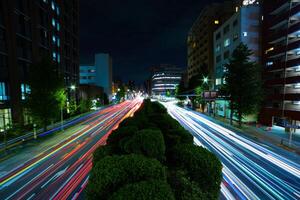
[73, 88]
[4, 132]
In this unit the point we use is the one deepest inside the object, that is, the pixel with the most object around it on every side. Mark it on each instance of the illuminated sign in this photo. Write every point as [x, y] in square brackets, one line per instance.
[249, 2]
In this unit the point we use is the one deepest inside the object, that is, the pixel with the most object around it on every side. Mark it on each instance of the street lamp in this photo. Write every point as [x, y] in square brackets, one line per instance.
[73, 87]
[205, 80]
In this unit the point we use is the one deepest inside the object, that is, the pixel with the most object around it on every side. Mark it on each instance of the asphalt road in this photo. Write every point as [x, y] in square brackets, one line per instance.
[251, 170]
[61, 172]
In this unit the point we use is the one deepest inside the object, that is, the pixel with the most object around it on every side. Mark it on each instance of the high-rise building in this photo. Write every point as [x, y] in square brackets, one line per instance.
[98, 73]
[281, 62]
[242, 27]
[200, 37]
[30, 30]
[164, 80]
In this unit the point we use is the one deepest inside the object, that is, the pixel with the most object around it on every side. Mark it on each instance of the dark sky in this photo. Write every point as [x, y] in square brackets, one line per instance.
[137, 33]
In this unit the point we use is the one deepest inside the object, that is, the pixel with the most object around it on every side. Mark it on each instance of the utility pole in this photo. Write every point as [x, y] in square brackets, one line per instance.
[34, 131]
[61, 118]
[4, 132]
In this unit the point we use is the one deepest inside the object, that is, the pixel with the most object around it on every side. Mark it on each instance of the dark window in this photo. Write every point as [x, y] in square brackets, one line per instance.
[2, 40]
[24, 48]
[226, 55]
[218, 36]
[226, 29]
[218, 58]
[235, 23]
[235, 37]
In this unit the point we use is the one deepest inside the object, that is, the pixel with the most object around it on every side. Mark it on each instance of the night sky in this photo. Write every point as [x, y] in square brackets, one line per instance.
[137, 33]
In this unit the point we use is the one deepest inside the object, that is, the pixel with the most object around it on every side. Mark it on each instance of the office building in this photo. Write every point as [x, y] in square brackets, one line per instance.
[98, 73]
[164, 80]
[30, 30]
[242, 27]
[200, 37]
[281, 62]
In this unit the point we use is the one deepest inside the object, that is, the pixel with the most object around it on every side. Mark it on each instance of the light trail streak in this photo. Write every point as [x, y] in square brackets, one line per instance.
[53, 175]
[250, 170]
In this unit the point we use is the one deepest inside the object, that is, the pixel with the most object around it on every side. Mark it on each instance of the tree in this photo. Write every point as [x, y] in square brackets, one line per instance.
[47, 93]
[179, 90]
[85, 105]
[121, 93]
[243, 83]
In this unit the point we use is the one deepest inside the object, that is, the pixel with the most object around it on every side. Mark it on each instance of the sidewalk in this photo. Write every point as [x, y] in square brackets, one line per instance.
[274, 135]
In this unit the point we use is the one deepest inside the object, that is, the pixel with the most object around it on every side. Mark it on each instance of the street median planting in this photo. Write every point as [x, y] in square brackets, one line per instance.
[151, 156]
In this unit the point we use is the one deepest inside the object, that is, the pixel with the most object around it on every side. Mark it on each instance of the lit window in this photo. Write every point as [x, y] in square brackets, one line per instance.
[54, 56]
[58, 58]
[245, 34]
[3, 92]
[53, 39]
[298, 52]
[45, 1]
[25, 90]
[236, 9]
[227, 42]
[297, 68]
[52, 5]
[216, 22]
[224, 80]
[297, 85]
[270, 63]
[58, 42]
[268, 50]
[296, 102]
[53, 22]
[218, 81]
[194, 45]
[218, 48]
[57, 26]
[57, 10]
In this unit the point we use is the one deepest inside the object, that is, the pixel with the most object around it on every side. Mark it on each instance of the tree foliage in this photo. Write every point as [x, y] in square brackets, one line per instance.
[114, 172]
[146, 190]
[47, 92]
[243, 83]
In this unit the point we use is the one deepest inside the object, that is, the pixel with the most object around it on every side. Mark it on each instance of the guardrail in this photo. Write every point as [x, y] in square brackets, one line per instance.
[52, 129]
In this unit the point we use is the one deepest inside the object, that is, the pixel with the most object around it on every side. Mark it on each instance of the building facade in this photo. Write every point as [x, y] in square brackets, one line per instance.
[281, 62]
[99, 73]
[200, 37]
[243, 27]
[30, 30]
[164, 80]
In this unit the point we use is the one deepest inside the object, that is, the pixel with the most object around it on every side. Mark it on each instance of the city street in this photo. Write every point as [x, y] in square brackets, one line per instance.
[251, 170]
[61, 172]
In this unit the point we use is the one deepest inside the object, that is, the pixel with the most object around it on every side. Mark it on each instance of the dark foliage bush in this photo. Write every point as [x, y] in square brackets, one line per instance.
[101, 152]
[113, 172]
[184, 188]
[145, 190]
[201, 165]
[116, 137]
[147, 142]
[164, 122]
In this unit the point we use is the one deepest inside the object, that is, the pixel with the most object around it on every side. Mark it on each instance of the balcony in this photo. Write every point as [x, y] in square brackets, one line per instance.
[289, 97]
[282, 49]
[281, 34]
[280, 81]
[276, 19]
[277, 65]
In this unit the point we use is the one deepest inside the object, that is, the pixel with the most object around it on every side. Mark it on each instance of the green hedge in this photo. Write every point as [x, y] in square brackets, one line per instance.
[145, 190]
[113, 172]
[118, 135]
[146, 142]
[201, 165]
[128, 166]
[184, 188]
